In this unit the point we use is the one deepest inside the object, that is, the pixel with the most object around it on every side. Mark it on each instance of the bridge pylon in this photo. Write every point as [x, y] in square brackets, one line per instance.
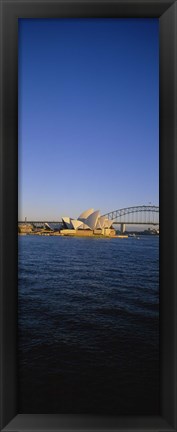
[122, 228]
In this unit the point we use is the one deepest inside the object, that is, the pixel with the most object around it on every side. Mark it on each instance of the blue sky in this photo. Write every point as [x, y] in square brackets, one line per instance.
[88, 115]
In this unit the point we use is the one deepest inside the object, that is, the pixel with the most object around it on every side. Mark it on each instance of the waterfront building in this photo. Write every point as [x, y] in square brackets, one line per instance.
[25, 228]
[89, 222]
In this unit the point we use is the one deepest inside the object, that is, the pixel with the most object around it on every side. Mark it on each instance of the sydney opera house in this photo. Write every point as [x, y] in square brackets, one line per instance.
[90, 222]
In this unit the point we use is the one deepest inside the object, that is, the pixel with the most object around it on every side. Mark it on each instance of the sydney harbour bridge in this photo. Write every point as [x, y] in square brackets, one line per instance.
[137, 215]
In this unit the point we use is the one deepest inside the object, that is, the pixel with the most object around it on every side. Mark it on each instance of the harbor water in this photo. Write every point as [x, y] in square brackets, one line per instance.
[88, 325]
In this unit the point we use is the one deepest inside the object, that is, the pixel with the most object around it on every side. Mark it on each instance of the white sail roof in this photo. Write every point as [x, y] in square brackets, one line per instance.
[76, 223]
[48, 226]
[98, 225]
[86, 213]
[85, 226]
[108, 223]
[101, 220]
[91, 221]
[67, 221]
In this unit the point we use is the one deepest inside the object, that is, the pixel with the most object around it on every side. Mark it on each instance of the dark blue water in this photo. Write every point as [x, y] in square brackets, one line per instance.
[89, 325]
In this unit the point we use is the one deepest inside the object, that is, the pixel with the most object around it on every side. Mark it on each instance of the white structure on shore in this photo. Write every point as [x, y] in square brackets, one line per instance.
[88, 220]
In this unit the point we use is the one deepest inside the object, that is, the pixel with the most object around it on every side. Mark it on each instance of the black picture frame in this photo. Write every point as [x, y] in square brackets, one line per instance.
[10, 11]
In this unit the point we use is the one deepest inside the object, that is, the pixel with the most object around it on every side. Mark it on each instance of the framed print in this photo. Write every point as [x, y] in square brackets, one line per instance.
[88, 296]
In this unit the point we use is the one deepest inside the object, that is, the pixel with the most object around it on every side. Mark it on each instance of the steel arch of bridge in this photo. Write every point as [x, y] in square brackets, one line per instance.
[135, 215]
